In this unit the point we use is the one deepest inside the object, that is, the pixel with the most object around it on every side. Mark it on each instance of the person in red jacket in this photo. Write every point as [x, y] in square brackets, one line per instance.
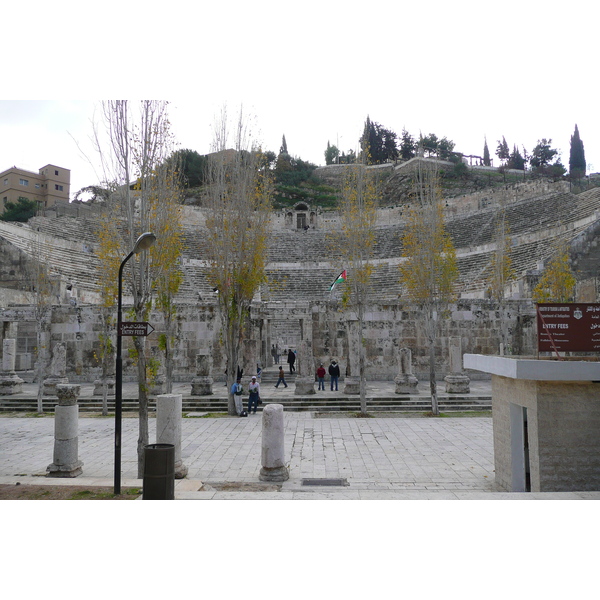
[321, 377]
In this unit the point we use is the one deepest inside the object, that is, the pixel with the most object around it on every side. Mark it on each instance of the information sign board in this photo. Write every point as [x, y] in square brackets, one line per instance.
[568, 327]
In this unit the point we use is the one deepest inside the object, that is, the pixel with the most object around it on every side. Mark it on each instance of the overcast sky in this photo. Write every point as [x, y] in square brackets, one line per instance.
[314, 71]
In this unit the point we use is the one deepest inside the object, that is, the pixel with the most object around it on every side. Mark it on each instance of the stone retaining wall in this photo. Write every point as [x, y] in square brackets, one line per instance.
[388, 328]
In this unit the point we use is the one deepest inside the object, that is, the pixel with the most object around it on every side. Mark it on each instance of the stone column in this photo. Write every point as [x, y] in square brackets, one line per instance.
[305, 380]
[10, 382]
[273, 454]
[66, 441]
[457, 382]
[406, 382]
[352, 380]
[202, 383]
[58, 370]
[168, 427]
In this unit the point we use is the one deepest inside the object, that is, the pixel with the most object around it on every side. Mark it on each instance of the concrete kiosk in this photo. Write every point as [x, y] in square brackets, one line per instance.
[546, 422]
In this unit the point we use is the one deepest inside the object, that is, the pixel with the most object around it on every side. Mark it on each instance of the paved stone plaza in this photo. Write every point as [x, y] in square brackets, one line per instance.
[380, 458]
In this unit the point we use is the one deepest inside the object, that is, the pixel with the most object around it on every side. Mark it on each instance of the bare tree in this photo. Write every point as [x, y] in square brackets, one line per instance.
[354, 245]
[139, 143]
[42, 311]
[238, 206]
[429, 270]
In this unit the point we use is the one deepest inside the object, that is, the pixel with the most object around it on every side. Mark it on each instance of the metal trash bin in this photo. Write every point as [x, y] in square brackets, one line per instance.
[159, 472]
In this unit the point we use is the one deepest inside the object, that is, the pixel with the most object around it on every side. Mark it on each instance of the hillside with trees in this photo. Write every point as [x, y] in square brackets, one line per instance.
[295, 179]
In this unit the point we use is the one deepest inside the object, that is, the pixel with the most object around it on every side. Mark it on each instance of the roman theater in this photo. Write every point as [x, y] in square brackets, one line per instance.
[296, 303]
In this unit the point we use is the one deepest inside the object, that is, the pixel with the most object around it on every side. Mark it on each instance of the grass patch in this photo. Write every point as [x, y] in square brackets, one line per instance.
[104, 495]
[210, 415]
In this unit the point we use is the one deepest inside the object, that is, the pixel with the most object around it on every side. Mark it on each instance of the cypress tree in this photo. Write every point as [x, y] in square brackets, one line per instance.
[486, 155]
[577, 164]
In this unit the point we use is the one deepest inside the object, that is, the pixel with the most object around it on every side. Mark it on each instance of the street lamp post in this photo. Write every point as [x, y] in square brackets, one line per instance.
[142, 243]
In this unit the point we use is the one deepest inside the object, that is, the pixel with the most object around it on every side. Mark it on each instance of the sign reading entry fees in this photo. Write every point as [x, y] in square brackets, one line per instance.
[568, 327]
[136, 328]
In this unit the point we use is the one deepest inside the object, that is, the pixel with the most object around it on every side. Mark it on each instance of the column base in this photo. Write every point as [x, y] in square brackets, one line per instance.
[274, 474]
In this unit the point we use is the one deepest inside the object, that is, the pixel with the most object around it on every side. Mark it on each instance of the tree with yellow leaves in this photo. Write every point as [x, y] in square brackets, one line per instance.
[145, 193]
[429, 271]
[557, 284]
[500, 271]
[354, 245]
[239, 199]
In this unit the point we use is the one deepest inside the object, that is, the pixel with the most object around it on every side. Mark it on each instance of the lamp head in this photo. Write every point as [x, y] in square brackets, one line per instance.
[144, 242]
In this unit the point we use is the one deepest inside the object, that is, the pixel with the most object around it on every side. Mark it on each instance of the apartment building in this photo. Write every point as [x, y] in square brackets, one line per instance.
[48, 187]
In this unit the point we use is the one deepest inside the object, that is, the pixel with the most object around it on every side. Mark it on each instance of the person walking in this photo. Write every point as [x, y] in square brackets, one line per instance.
[281, 378]
[291, 360]
[321, 377]
[254, 395]
[334, 373]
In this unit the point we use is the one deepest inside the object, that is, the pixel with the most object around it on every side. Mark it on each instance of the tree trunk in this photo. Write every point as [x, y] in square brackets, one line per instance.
[361, 361]
[143, 403]
[432, 381]
[431, 334]
[42, 352]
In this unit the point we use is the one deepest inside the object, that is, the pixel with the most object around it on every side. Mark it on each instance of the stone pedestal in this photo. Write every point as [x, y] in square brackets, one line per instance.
[10, 382]
[158, 386]
[457, 382]
[352, 386]
[99, 388]
[66, 440]
[168, 427]
[58, 370]
[273, 455]
[305, 380]
[406, 382]
[202, 383]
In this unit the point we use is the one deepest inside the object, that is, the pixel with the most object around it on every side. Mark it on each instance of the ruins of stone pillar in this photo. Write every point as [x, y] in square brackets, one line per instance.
[99, 387]
[352, 378]
[406, 382]
[305, 379]
[202, 383]
[58, 370]
[168, 427]
[457, 382]
[66, 440]
[10, 382]
[273, 451]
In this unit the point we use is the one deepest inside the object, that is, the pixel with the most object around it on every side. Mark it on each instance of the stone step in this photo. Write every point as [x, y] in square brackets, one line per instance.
[323, 404]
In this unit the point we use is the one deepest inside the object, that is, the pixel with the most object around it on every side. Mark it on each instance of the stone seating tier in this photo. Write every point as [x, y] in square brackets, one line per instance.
[301, 264]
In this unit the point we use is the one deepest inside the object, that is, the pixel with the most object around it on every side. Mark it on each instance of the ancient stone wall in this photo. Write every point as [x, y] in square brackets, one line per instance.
[387, 329]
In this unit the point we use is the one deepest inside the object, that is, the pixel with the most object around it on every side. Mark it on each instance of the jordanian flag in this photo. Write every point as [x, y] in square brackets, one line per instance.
[341, 277]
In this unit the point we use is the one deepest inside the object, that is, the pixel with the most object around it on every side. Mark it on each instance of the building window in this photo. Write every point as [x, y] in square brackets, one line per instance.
[24, 181]
[37, 186]
[5, 199]
[6, 182]
[58, 187]
[56, 172]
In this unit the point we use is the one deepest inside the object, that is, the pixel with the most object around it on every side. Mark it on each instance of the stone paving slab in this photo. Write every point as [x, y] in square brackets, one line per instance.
[381, 458]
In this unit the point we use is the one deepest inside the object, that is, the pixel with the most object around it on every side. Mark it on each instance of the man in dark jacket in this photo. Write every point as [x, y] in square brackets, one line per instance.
[291, 360]
[334, 373]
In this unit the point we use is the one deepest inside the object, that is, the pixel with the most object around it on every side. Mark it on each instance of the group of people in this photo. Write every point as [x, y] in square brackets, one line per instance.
[254, 400]
[253, 396]
[334, 374]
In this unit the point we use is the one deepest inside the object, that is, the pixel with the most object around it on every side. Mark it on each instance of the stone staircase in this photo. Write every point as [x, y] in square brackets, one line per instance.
[296, 404]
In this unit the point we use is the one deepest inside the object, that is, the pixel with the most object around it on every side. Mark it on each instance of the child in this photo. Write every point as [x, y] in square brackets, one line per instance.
[281, 378]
